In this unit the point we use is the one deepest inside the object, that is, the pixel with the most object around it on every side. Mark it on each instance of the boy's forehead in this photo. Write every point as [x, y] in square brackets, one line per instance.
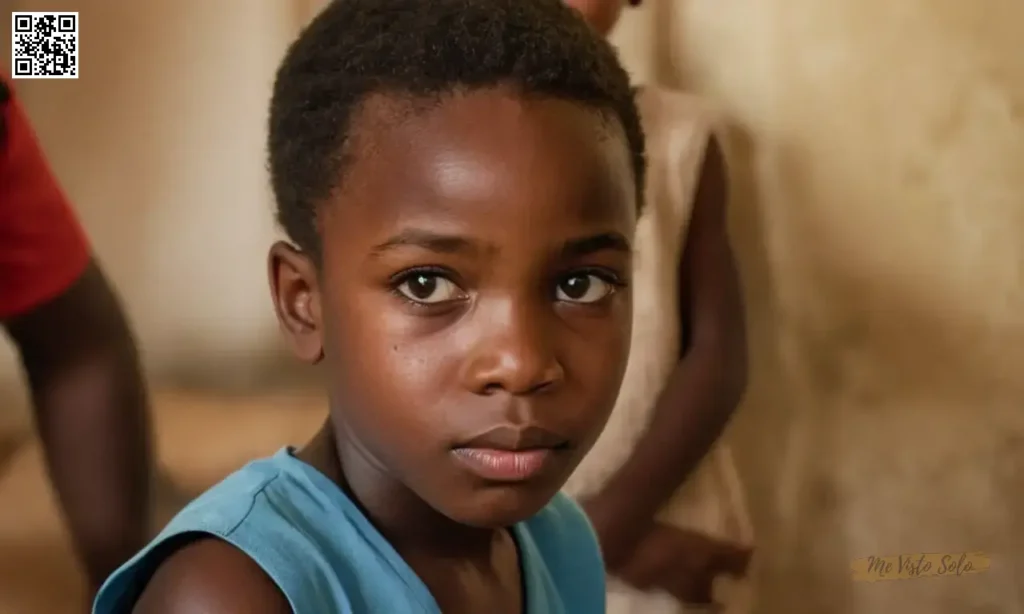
[486, 153]
[484, 123]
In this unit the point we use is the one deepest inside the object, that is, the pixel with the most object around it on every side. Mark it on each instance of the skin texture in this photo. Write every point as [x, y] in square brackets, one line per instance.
[91, 410]
[483, 285]
[698, 400]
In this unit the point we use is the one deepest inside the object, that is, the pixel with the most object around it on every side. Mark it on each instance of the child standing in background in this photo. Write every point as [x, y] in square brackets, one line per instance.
[665, 498]
[460, 181]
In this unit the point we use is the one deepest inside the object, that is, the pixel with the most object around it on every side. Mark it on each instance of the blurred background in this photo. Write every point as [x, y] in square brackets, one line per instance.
[877, 156]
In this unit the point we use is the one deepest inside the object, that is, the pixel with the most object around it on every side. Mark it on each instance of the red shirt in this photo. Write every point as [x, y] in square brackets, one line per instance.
[43, 249]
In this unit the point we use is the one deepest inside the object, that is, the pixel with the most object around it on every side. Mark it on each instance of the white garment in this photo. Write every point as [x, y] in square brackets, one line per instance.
[678, 128]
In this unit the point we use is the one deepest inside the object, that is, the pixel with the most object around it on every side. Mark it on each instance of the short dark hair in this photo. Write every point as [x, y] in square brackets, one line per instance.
[422, 49]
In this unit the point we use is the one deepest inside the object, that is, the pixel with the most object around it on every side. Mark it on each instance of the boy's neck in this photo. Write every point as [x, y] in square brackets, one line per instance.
[412, 527]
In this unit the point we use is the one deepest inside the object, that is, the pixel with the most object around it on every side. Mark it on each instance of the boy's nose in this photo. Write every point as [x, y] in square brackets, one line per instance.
[513, 353]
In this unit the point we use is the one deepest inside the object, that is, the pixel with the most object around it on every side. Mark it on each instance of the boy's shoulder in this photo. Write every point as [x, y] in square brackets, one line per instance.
[217, 513]
[222, 508]
[269, 513]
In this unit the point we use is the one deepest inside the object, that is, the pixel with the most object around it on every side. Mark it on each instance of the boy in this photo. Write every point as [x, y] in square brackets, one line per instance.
[654, 510]
[77, 352]
[460, 182]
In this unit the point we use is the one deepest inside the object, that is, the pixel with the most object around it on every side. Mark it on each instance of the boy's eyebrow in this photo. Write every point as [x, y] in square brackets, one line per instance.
[425, 239]
[449, 244]
[588, 245]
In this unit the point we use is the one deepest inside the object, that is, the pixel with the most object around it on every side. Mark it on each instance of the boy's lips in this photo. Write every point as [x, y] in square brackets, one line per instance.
[510, 453]
[505, 465]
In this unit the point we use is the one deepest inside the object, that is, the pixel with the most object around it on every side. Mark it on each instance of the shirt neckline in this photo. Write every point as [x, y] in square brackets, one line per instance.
[525, 546]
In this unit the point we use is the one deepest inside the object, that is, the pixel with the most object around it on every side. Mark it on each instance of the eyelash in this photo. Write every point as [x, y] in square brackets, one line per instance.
[604, 275]
[396, 281]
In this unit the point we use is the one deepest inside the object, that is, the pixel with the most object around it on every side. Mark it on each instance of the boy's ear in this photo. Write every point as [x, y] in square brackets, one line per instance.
[296, 294]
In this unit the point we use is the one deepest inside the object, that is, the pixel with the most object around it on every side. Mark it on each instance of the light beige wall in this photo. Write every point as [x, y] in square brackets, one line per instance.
[878, 161]
[160, 146]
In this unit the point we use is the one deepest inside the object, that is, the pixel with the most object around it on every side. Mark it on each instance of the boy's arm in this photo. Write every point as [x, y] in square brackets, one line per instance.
[705, 387]
[77, 352]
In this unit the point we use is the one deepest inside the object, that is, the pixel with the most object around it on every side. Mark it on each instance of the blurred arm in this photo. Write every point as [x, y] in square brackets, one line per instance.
[91, 411]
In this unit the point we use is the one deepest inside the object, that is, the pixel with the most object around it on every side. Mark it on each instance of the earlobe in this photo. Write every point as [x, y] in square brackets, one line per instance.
[295, 292]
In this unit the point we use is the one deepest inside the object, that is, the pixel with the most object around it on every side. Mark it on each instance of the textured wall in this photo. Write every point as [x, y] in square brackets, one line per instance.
[878, 160]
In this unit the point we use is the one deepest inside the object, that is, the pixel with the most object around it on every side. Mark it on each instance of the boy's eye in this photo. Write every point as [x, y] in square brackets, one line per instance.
[429, 288]
[583, 288]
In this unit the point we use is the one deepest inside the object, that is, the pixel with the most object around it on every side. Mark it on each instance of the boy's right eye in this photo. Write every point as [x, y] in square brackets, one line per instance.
[429, 288]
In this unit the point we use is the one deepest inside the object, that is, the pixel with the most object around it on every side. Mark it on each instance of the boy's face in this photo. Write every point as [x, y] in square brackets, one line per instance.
[473, 306]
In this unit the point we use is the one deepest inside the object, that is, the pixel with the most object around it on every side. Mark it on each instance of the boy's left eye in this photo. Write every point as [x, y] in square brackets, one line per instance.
[583, 288]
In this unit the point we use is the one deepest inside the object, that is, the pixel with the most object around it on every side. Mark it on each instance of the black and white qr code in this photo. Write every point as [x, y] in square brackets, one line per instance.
[44, 45]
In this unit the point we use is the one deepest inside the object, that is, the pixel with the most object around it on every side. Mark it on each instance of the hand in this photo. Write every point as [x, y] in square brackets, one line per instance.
[683, 563]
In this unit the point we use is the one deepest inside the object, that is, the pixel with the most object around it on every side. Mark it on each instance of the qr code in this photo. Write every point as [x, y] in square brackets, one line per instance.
[44, 45]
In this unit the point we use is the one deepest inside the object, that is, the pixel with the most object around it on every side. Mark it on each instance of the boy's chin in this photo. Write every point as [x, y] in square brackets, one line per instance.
[500, 506]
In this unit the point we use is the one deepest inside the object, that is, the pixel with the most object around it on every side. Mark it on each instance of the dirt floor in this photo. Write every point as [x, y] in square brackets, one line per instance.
[200, 439]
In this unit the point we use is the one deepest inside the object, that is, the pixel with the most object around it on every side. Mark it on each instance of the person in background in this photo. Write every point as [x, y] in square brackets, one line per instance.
[666, 501]
[78, 355]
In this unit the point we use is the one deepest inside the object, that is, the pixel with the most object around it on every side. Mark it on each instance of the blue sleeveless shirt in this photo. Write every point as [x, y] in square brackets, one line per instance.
[327, 558]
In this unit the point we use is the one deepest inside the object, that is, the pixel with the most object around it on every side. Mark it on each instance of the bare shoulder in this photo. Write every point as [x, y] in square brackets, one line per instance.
[212, 577]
